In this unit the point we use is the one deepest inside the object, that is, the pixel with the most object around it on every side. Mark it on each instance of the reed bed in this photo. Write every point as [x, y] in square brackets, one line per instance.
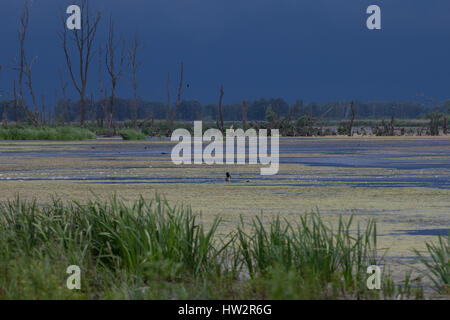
[436, 263]
[151, 250]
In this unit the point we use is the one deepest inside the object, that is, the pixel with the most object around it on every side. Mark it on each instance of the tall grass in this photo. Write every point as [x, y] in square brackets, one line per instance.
[312, 249]
[149, 249]
[64, 133]
[113, 234]
[437, 264]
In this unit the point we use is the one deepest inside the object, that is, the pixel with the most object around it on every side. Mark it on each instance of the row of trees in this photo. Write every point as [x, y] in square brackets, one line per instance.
[116, 57]
[67, 110]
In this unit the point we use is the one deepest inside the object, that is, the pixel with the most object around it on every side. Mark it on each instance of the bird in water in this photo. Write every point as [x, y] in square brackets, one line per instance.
[228, 178]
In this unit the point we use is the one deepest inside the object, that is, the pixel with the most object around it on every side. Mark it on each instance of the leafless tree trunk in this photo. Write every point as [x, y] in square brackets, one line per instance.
[66, 111]
[445, 126]
[134, 66]
[16, 115]
[178, 101]
[103, 92]
[310, 124]
[168, 98]
[244, 115]
[220, 124]
[93, 111]
[22, 66]
[434, 123]
[5, 114]
[84, 40]
[24, 18]
[105, 107]
[54, 116]
[44, 114]
[5, 110]
[392, 126]
[28, 68]
[111, 48]
[352, 119]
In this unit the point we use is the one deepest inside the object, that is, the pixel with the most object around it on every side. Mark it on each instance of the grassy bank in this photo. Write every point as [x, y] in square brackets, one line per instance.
[63, 133]
[151, 250]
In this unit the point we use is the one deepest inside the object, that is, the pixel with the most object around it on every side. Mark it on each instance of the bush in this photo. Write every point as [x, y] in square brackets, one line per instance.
[130, 134]
[65, 133]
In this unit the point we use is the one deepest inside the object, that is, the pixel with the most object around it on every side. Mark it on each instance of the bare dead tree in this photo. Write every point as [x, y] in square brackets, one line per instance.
[244, 115]
[178, 101]
[29, 82]
[114, 70]
[168, 98]
[310, 124]
[104, 106]
[220, 123]
[445, 126]
[5, 108]
[103, 92]
[66, 111]
[24, 19]
[84, 41]
[22, 66]
[283, 123]
[16, 115]
[134, 65]
[54, 116]
[93, 110]
[392, 126]
[44, 114]
[433, 127]
[352, 119]
[5, 114]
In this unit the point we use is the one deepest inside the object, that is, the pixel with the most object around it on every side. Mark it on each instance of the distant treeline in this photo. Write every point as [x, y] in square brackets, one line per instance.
[256, 110]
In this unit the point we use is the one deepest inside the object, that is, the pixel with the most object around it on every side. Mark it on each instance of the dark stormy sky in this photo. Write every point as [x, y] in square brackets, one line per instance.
[316, 50]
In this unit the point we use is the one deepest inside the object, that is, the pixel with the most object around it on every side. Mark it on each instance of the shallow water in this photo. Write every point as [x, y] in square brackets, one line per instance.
[425, 232]
[410, 163]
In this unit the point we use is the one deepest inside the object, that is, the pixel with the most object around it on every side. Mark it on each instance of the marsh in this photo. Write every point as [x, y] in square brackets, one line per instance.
[402, 182]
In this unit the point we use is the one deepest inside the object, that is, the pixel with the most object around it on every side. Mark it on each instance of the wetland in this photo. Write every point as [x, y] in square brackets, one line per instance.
[402, 183]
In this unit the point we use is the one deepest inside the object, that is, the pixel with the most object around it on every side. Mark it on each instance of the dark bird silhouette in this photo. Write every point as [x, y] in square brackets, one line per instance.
[228, 178]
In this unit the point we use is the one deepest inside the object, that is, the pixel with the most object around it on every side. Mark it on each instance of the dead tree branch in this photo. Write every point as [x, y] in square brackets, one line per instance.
[22, 66]
[178, 101]
[220, 124]
[134, 66]
[114, 71]
[352, 119]
[83, 40]
[244, 115]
